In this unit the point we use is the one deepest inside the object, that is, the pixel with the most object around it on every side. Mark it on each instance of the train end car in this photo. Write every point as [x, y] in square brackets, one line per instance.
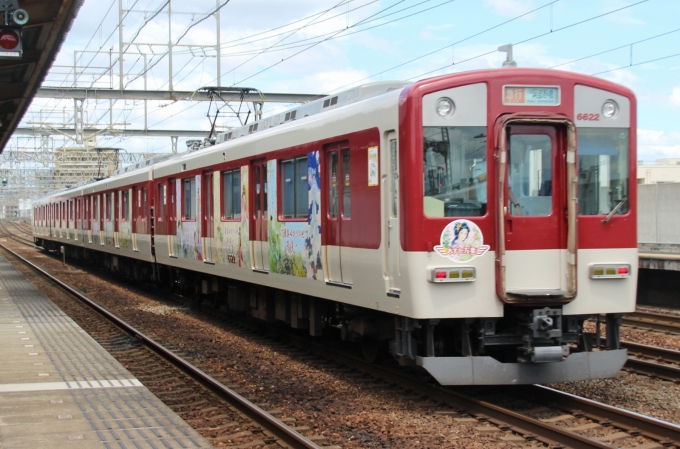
[525, 226]
[469, 225]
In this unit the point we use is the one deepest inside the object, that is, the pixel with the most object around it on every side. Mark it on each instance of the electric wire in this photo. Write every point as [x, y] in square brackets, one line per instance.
[637, 64]
[301, 42]
[309, 47]
[617, 48]
[524, 41]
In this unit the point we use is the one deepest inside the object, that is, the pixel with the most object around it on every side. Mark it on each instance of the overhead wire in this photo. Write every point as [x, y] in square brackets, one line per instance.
[617, 48]
[180, 38]
[524, 41]
[310, 46]
[636, 64]
[288, 35]
[300, 43]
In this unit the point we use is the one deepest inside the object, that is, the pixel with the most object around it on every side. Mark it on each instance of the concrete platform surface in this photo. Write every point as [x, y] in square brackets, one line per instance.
[60, 388]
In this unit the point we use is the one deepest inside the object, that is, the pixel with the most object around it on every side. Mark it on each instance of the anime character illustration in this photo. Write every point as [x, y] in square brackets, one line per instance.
[461, 232]
[461, 241]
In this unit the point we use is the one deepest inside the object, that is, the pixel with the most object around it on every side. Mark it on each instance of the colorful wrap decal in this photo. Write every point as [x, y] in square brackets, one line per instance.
[231, 237]
[294, 246]
[188, 244]
[461, 241]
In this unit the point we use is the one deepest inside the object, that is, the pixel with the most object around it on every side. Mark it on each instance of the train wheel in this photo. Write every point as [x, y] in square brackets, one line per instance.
[372, 349]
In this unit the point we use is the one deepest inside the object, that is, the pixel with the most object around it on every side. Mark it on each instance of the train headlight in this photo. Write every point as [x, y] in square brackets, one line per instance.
[445, 107]
[610, 109]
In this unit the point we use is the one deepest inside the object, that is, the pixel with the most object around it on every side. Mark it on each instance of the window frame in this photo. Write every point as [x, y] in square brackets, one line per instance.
[223, 196]
[281, 190]
[144, 204]
[162, 201]
[124, 196]
[192, 182]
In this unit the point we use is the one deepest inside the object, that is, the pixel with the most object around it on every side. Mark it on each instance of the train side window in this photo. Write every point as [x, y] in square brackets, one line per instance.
[189, 199]
[125, 202]
[161, 202]
[231, 194]
[108, 206]
[294, 187]
[172, 199]
[143, 207]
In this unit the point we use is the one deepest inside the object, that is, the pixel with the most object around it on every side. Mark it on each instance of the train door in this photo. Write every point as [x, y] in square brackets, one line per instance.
[391, 219]
[259, 234]
[208, 218]
[338, 213]
[537, 215]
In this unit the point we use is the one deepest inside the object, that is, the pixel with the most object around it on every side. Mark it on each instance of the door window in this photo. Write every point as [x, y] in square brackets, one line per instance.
[395, 177]
[346, 198]
[530, 175]
[333, 184]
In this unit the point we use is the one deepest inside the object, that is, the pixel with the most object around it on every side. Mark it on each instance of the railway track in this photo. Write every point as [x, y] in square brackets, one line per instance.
[653, 361]
[552, 417]
[653, 321]
[190, 391]
[5, 232]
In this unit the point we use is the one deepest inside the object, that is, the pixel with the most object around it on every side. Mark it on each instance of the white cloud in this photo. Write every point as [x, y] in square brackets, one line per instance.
[675, 96]
[510, 7]
[654, 144]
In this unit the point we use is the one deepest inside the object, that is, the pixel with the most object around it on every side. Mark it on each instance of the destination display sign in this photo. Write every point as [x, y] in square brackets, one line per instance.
[531, 95]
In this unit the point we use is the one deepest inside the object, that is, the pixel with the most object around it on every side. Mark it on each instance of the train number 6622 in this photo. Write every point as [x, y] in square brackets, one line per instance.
[590, 117]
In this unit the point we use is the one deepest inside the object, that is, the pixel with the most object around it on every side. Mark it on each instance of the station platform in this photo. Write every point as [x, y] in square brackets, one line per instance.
[60, 388]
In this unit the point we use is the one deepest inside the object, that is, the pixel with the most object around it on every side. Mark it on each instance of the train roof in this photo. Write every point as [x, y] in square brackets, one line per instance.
[315, 107]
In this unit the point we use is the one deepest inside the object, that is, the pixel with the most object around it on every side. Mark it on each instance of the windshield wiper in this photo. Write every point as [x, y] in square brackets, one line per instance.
[615, 210]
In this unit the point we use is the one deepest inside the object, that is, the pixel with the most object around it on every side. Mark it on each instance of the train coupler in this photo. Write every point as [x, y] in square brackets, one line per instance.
[543, 337]
[542, 354]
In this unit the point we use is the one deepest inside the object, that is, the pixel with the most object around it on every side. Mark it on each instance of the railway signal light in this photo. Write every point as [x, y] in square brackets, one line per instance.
[4, 182]
[10, 42]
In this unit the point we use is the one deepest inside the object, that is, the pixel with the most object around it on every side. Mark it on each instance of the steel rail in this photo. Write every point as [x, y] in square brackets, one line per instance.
[261, 417]
[505, 419]
[662, 431]
[661, 354]
[638, 353]
[15, 237]
[655, 321]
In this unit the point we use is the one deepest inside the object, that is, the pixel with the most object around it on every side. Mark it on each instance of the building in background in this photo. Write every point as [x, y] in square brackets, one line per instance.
[661, 172]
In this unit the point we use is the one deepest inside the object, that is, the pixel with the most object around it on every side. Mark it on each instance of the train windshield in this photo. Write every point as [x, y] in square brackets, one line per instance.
[603, 170]
[454, 171]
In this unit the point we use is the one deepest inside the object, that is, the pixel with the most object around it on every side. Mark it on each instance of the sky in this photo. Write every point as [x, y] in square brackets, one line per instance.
[322, 46]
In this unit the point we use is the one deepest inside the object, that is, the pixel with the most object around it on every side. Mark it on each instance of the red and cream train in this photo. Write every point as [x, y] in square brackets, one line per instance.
[470, 223]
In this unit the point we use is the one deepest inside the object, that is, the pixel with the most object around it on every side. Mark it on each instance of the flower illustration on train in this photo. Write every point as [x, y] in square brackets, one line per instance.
[461, 241]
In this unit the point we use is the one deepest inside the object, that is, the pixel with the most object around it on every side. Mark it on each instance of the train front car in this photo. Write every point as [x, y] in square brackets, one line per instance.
[518, 225]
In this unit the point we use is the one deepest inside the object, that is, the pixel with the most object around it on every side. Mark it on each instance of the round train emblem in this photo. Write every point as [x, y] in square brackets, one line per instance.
[461, 241]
